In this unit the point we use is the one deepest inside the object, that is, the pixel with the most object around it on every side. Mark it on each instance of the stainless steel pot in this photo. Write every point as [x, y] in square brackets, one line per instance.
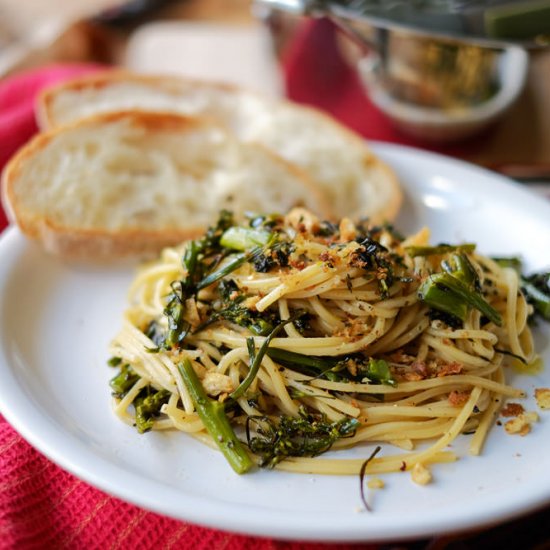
[440, 69]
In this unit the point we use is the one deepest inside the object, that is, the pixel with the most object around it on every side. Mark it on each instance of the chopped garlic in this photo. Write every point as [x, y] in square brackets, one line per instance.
[531, 417]
[542, 395]
[215, 383]
[420, 474]
[405, 444]
[375, 483]
[301, 217]
[250, 303]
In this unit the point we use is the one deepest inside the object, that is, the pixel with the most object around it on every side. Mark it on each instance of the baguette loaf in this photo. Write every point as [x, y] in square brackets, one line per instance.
[129, 183]
[356, 182]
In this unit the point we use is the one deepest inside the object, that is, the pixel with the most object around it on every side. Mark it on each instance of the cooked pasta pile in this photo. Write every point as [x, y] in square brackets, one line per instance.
[331, 336]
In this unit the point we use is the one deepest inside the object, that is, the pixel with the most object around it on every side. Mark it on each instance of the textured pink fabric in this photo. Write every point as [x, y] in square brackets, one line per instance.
[42, 506]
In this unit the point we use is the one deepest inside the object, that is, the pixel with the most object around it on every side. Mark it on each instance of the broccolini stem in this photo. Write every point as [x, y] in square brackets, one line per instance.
[540, 300]
[443, 300]
[212, 415]
[234, 264]
[148, 407]
[124, 380]
[362, 476]
[454, 291]
[190, 262]
[177, 326]
[244, 238]
[320, 364]
[316, 367]
[460, 267]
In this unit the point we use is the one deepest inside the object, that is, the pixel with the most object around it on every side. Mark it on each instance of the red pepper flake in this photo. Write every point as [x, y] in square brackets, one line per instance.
[403, 466]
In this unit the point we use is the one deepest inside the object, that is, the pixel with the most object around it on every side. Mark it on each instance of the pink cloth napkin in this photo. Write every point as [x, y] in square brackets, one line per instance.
[17, 94]
[44, 507]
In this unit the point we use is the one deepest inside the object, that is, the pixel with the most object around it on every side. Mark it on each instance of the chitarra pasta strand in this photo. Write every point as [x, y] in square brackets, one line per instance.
[308, 335]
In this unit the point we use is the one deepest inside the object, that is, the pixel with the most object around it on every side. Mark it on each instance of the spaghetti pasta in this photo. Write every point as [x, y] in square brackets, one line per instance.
[310, 336]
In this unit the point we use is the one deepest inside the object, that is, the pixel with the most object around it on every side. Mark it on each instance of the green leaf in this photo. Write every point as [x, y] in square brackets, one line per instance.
[378, 371]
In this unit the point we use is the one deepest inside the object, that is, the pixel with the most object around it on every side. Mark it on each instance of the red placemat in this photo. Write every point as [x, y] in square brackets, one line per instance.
[42, 506]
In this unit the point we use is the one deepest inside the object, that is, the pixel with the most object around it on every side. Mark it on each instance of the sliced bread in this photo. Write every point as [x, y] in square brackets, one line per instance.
[132, 182]
[357, 183]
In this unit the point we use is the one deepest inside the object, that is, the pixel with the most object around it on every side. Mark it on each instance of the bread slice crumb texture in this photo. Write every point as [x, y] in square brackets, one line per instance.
[147, 173]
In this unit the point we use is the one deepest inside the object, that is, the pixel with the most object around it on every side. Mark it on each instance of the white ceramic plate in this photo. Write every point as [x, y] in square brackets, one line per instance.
[57, 320]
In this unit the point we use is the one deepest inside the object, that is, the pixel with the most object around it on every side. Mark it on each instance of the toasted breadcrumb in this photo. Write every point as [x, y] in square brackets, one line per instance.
[512, 409]
[375, 483]
[459, 398]
[216, 383]
[542, 395]
[448, 369]
[521, 425]
[420, 474]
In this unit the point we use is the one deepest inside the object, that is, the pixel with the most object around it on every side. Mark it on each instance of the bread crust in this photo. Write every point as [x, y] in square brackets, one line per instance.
[171, 84]
[101, 243]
